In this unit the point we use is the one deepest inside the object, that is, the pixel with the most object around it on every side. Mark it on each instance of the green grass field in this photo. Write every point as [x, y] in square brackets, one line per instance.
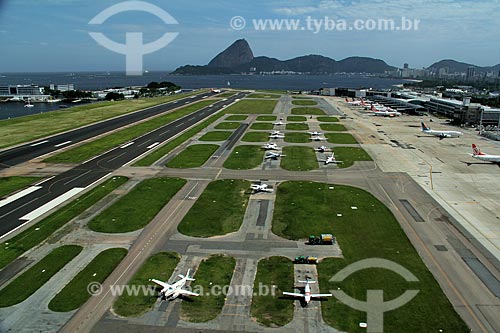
[296, 118]
[236, 117]
[333, 127]
[159, 266]
[370, 231]
[252, 106]
[227, 125]
[156, 154]
[88, 150]
[341, 138]
[262, 126]
[225, 94]
[348, 155]
[14, 131]
[304, 102]
[244, 158]
[263, 95]
[39, 232]
[300, 97]
[13, 184]
[137, 208]
[297, 127]
[307, 111]
[295, 137]
[75, 293]
[216, 136]
[218, 211]
[266, 118]
[255, 137]
[328, 119]
[299, 159]
[216, 269]
[35, 277]
[273, 310]
[193, 156]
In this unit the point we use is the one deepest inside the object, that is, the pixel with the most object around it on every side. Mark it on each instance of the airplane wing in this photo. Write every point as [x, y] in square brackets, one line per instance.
[187, 292]
[321, 295]
[293, 294]
[161, 283]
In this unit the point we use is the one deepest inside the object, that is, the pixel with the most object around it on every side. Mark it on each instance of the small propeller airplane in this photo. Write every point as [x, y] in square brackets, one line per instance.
[317, 138]
[315, 133]
[307, 296]
[261, 188]
[176, 289]
[331, 160]
[270, 146]
[279, 123]
[273, 156]
[323, 149]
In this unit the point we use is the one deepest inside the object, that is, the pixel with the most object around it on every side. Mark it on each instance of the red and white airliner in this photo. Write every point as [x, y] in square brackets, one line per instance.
[478, 154]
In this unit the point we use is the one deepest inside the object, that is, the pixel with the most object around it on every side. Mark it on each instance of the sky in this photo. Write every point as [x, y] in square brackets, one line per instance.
[53, 35]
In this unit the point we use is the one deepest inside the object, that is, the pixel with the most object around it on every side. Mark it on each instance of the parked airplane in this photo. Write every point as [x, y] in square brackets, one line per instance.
[276, 136]
[323, 149]
[440, 134]
[331, 159]
[175, 290]
[273, 156]
[317, 138]
[261, 188]
[307, 292]
[270, 146]
[478, 154]
[216, 91]
[387, 113]
[315, 133]
[279, 123]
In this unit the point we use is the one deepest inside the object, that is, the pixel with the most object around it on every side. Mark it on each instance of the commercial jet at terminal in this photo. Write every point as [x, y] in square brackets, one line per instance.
[478, 154]
[440, 134]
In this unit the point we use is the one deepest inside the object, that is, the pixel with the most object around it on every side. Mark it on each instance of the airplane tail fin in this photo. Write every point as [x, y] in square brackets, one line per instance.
[187, 277]
[476, 150]
[424, 126]
[346, 99]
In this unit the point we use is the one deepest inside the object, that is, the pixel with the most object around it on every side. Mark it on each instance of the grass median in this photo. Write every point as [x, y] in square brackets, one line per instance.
[262, 126]
[39, 232]
[340, 138]
[272, 310]
[328, 119]
[369, 231]
[88, 150]
[348, 155]
[236, 117]
[244, 158]
[137, 208]
[296, 127]
[28, 128]
[76, 292]
[159, 266]
[263, 95]
[10, 185]
[333, 127]
[193, 156]
[35, 277]
[255, 137]
[299, 159]
[217, 270]
[304, 102]
[307, 111]
[266, 118]
[294, 137]
[228, 125]
[252, 106]
[296, 118]
[218, 211]
[216, 136]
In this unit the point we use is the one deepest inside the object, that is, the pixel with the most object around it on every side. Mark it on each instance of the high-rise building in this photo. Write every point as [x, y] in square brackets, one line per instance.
[471, 71]
[406, 66]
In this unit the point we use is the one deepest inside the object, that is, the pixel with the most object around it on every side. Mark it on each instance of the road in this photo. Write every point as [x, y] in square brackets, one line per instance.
[29, 151]
[64, 186]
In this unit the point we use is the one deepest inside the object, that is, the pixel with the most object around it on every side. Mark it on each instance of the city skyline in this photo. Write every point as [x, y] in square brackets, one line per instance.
[53, 35]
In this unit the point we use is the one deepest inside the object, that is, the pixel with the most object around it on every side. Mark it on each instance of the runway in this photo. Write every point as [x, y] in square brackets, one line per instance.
[17, 213]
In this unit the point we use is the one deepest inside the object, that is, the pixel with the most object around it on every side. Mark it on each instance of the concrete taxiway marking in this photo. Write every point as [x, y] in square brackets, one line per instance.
[127, 145]
[117, 156]
[72, 180]
[63, 144]
[19, 195]
[39, 143]
[51, 204]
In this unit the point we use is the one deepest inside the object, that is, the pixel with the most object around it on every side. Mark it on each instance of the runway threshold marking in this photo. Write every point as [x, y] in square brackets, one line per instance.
[39, 143]
[63, 144]
[19, 195]
[51, 204]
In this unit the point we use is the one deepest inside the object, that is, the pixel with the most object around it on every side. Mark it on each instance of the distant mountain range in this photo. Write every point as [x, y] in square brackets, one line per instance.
[239, 58]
